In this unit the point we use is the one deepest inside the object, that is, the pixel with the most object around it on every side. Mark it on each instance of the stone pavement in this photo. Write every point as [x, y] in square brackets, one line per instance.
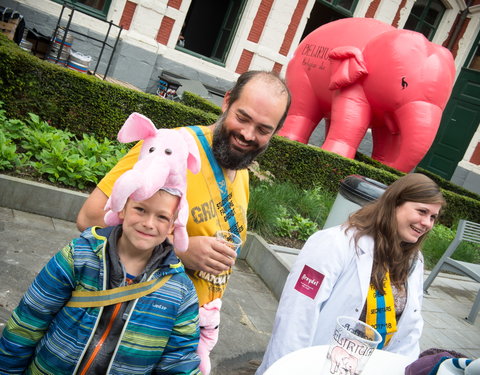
[27, 241]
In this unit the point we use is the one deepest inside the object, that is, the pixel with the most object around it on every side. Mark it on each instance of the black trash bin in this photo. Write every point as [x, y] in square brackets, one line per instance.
[355, 191]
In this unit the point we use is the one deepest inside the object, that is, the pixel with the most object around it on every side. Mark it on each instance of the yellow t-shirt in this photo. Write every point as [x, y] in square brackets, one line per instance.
[206, 211]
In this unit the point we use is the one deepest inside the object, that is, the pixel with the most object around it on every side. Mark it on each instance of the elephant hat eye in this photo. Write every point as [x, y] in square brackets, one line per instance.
[151, 149]
[168, 151]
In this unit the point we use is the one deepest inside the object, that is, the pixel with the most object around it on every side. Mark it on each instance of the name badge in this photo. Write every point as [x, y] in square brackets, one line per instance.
[309, 282]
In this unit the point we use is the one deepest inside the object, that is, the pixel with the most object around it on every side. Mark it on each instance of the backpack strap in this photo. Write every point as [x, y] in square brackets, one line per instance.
[82, 298]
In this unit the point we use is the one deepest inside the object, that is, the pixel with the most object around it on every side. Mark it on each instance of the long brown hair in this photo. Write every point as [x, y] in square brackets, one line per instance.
[378, 220]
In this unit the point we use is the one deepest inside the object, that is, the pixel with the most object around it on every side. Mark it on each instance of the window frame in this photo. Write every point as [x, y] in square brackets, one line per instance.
[420, 20]
[344, 11]
[225, 54]
[100, 14]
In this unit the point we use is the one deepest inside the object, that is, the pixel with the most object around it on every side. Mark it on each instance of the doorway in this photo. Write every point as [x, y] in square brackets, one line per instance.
[210, 26]
[460, 120]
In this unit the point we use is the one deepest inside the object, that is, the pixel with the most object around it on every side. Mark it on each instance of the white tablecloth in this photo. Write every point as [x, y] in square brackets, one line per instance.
[310, 361]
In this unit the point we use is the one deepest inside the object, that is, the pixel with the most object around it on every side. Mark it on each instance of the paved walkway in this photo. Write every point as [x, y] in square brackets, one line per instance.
[27, 241]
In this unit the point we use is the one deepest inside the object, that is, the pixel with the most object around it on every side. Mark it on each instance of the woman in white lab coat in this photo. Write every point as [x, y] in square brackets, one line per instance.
[375, 254]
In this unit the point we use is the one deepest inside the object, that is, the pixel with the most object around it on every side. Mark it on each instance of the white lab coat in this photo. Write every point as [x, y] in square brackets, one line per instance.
[302, 321]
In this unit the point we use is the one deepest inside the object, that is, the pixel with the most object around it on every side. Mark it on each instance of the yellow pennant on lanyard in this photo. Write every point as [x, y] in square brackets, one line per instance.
[381, 311]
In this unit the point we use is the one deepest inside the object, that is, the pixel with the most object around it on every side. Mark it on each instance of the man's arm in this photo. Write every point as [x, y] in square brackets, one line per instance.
[92, 212]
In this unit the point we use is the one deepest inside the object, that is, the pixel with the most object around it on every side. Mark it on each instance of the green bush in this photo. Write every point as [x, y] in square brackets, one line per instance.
[295, 226]
[285, 210]
[83, 104]
[8, 152]
[55, 154]
[196, 101]
[78, 102]
[308, 166]
[437, 242]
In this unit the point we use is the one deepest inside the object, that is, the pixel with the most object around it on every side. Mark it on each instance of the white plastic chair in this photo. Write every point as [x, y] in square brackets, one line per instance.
[466, 231]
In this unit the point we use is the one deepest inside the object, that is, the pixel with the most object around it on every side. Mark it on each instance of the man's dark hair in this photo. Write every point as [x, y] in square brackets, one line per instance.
[273, 77]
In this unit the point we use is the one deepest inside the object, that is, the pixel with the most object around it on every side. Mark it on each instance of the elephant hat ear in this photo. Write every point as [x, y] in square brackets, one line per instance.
[135, 128]
[348, 66]
[193, 161]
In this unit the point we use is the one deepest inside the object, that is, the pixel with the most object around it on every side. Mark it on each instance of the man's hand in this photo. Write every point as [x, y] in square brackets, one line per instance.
[208, 254]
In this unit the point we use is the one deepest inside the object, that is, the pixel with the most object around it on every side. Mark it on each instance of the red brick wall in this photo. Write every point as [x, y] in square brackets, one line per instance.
[292, 27]
[475, 159]
[260, 20]
[127, 15]
[174, 3]
[372, 9]
[277, 68]
[454, 50]
[397, 15]
[244, 62]
[165, 30]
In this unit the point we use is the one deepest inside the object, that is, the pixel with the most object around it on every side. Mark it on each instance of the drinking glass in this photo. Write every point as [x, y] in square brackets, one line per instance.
[351, 346]
[229, 238]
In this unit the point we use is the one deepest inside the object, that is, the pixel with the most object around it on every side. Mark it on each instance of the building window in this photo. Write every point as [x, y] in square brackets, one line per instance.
[209, 28]
[96, 8]
[325, 11]
[425, 17]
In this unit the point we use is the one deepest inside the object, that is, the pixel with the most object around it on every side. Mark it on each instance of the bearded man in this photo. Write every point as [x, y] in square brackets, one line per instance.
[253, 111]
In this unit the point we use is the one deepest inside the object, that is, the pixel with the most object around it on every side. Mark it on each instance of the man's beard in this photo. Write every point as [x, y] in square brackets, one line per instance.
[226, 155]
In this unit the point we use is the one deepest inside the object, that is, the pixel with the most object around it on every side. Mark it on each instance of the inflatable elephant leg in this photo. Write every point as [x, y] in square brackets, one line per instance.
[305, 112]
[350, 119]
[384, 144]
[413, 134]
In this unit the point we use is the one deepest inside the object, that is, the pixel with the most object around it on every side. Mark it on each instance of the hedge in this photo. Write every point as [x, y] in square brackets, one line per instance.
[308, 166]
[198, 102]
[79, 102]
[85, 104]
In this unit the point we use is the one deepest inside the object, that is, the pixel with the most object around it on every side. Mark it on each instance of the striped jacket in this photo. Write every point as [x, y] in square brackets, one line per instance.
[43, 336]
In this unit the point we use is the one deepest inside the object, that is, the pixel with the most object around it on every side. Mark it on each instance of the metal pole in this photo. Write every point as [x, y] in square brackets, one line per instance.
[113, 51]
[55, 32]
[103, 47]
[65, 34]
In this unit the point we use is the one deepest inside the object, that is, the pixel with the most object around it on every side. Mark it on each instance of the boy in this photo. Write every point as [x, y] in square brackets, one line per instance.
[115, 300]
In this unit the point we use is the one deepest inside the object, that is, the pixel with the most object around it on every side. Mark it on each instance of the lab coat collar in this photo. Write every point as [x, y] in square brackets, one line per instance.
[364, 263]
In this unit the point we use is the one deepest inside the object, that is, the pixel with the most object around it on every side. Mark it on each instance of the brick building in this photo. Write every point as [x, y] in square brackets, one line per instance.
[212, 41]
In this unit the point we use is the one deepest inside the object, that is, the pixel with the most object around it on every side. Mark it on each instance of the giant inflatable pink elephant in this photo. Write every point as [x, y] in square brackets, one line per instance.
[359, 73]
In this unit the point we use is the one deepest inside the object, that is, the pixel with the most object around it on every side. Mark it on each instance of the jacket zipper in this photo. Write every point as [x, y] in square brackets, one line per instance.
[100, 342]
[128, 320]
[99, 316]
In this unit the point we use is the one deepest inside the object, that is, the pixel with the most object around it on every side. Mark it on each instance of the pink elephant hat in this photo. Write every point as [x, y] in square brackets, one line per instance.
[164, 158]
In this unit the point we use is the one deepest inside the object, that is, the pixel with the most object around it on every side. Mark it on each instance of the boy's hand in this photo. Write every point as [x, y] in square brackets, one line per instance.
[208, 254]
